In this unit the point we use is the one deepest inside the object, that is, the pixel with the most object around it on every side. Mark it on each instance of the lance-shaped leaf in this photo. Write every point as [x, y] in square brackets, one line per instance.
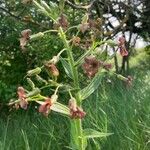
[95, 82]
[57, 107]
[91, 133]
[60, 108]
[66, 67]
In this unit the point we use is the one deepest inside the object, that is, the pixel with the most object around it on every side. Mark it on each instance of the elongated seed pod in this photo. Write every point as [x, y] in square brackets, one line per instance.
[35, 92]
[34, 72]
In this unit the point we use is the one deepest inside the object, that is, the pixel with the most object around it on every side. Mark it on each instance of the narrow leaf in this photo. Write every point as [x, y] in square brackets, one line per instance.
[91, 133]
[87, 91]
[66, 67]
[58, 107]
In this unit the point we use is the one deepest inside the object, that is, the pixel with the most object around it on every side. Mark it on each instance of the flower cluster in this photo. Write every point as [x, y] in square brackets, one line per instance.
[91, 66]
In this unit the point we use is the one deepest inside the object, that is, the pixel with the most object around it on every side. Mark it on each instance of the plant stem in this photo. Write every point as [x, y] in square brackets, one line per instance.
[76, 124]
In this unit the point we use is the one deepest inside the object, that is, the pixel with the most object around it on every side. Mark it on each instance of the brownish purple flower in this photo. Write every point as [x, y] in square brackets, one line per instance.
[51, 67]
[75, 111]
[129, 81]
[45, 107]
[25, 38]
[91, 66]
[76, 41]
[84, 27]
[122, 47]
[22, 97]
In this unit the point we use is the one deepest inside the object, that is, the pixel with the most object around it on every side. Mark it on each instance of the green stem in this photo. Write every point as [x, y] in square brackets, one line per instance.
[76, 124]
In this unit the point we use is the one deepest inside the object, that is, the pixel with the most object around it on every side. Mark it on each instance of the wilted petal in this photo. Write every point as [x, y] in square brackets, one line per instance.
[52, 69]
[23, 103]
[84, 27]
[91, 66]
[63, 22]
[26, 33]
[45, 107]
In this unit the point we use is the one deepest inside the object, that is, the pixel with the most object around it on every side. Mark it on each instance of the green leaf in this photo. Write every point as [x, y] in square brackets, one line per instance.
[87, 91]
[91, 133]
[60, 108]
[66, 67]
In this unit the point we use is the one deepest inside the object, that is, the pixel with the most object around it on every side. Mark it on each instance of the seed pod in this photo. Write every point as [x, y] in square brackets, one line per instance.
[40, 79]
[34, 72]
[119, 76]
[35, 92]
[30, 82]
[36, 36]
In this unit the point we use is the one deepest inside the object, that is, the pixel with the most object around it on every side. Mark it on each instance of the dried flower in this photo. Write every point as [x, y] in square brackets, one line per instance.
[25, 38]
[123, 51]
[52, 69]
[45, 107]
[76, 40]
[75, 111]
[91, 66]
[129, 81]
[22, 97]
[122, 47]
[84, 27]
[62, 21]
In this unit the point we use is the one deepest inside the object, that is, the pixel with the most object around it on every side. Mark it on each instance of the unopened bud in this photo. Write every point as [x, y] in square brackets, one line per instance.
[30, 82]
[54, 98]
[34, 72]
[40, 79]
[36, 91]
[36, 36]
[119, 76]
[54, 60]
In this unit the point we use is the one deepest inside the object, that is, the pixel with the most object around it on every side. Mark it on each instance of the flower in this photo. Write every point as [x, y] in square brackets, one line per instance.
[84, 27]
[52, 68]
[22, 97]
[91, 66]
[45, 107]
[75, 111]
[25, 38]
[122, 47]
[123, 51]
[63, 22]
[76, 41]
[129, 81]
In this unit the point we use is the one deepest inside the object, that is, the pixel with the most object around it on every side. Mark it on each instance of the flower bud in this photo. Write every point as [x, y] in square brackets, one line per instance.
[34, 72]
[54, 60]
[54, 98]
[52, 69]
[37, 36]
[119, 76]
[30, 82]
[35, 92]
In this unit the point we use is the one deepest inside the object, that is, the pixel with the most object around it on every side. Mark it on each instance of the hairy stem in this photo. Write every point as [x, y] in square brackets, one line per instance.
[76, 125]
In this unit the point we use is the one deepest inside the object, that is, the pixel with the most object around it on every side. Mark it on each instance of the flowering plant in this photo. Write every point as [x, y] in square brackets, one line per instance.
[94, 63]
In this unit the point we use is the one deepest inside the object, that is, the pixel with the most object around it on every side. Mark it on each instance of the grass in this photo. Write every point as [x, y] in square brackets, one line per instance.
[113, 108]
